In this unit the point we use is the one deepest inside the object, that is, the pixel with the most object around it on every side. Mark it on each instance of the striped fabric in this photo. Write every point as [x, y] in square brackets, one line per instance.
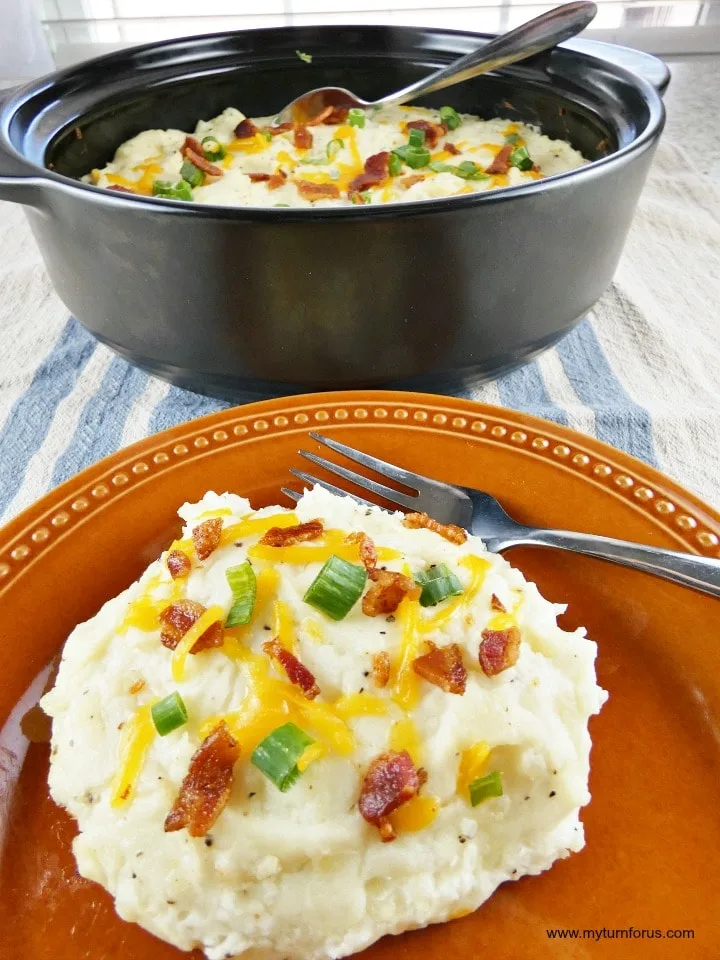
[641, 373]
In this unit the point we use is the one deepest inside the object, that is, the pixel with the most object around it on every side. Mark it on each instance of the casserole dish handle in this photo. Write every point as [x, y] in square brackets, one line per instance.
[16, 183]
[642, 64]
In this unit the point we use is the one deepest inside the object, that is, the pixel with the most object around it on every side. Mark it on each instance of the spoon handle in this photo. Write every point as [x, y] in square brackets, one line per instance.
[532, 37]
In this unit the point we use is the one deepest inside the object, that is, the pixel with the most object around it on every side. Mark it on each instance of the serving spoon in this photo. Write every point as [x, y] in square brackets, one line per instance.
[532, 37]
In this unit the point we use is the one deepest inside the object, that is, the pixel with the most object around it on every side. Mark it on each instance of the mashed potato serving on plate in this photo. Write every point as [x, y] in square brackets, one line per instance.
[302, 730]
[340, 157]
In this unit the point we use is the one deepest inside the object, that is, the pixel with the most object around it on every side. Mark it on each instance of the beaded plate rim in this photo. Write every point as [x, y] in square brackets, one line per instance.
[692, 523]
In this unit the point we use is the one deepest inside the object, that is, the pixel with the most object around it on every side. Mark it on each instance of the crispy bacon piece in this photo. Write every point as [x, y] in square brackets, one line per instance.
[432, 131]
[177, 619]
[443, 666]
[297, 673]
[390, 781]
[381, 668]
[317, 191]
[302, 138]
[207, 784]
[377, 169]
[279, 128]
[192, 150]
[286, 536]
[499, 649]
[206, 537]
[451, 148]
[368, 554]
[273, 180]
[320, 117]
[497, 604]
[501, 163]
[417, 521]
[408, 182]
[387, 591]
[245, 129]
[178, 563]
[338, 115]
[120, 189]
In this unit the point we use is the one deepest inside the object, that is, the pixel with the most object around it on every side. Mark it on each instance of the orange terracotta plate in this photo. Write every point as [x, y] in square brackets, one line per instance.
[651, 861]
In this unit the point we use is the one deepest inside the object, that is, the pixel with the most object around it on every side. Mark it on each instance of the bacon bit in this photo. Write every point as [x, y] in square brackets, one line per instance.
[432, 131]
[137, 686]
[206, 537]
[497, 604]
[377, 169]
[408, 182]
[338, 115]
[297, 673]
[177, 620]
[178, 563]
[368, 554]
[381, 669]
[444, 667]
[286, 536]
[207, 785]
[120, 189]
[279, 128]
[390, 781]
[273, 180]
[499, 649]
[501, 163]
[416, 521]
[192, 150]
[320, 117]
[245, 129]
[387, 591]
[451, 148]
[302, 138]
[317, 191]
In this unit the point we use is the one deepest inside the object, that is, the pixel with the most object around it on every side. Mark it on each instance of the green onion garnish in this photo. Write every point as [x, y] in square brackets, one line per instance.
[194, 176]
[277, 755]
[417, 157]
[169, 714]
[451, 118]
[356, 118]
[333, 148]
[437, 583]
[337, 588]
[305, 57]
[512, 138]
[485, 787]
[179, 190]
[395, 165]
[212, 149]
[520, 158]
[268, 136]
[416, 138]
[437, 166]
[402, 151]
[243, 584]
[470, 171]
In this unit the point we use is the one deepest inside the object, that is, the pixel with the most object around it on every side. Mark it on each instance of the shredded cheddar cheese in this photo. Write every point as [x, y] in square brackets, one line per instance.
[404, 736]
[360, 705]
[181, 651]
[135, 740]
[417, 814]
[472, 763]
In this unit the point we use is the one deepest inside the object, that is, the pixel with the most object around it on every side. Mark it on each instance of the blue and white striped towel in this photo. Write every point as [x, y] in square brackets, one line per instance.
[642, 373]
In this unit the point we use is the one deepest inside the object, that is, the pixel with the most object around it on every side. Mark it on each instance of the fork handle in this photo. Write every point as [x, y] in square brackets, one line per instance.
[700, 573]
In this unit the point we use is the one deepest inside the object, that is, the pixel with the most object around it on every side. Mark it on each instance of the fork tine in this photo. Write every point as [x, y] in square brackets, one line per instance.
[394, 496]
[385, 469]
[292, 494]
[307, 478]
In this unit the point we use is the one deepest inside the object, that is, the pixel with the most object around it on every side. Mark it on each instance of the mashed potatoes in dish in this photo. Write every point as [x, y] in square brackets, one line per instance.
[340, 157]
[300, 731]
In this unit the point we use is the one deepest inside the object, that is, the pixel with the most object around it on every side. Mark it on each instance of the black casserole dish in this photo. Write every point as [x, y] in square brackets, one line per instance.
[432, 293]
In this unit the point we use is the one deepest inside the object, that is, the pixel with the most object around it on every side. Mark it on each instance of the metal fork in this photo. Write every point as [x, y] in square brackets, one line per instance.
[482, 514]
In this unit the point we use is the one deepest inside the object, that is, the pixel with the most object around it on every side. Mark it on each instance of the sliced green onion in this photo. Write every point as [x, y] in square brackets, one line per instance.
[180, 190]
[169, 714]
[337, 588]
[402, 151]
[194, 176]
[485, 787]
[305, 57]
[243, 584]
[333, 148]
[437, 583]
[469, 171]
[437, 166]
[395, 165]
[356, 118]
[416, 138]
[451, 118]
[267, 135]
[520, 158]
[281, 204]
[512, 138]
[417, 157]
[213, 149]
[277, 755]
